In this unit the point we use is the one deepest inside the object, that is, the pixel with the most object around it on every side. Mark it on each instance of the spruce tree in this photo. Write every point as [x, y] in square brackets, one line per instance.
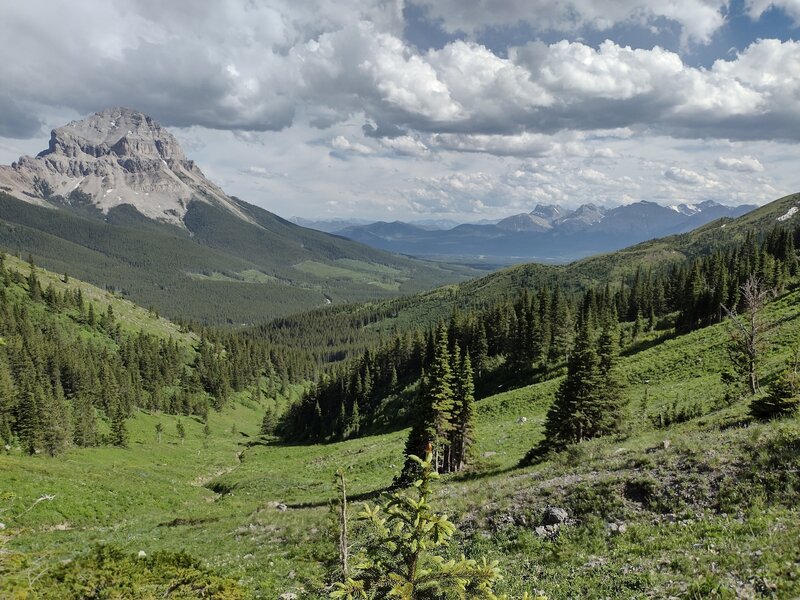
[8, 400]
[783, 397]
[462, 414]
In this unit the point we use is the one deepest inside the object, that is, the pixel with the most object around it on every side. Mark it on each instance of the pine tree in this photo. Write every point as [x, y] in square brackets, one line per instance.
[269, 422]
[354, 421]
[27, 418]
[783, 397]
[84, 419]
[119, 428]
[181, 431]
[8, 400]
[440, 395]
[402, 556]
[55, 420]
[462, 414]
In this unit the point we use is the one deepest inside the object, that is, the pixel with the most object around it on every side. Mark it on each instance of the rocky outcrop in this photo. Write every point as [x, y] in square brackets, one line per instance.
[116, 156]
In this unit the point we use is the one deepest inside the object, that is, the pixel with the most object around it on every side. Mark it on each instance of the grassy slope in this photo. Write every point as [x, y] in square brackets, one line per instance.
[715, 509]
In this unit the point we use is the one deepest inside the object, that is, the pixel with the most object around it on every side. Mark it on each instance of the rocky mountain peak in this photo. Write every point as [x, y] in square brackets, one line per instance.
[121, 132]
[113, 157]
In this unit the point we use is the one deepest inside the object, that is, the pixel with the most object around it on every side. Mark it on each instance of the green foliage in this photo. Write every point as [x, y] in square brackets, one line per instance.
[108, 572]
[783, 396]
[403, 559]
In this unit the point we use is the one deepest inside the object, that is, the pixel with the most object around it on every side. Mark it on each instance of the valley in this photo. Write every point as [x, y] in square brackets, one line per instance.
[690, 497]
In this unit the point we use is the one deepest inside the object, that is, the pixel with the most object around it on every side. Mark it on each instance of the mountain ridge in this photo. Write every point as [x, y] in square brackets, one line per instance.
[549, 233]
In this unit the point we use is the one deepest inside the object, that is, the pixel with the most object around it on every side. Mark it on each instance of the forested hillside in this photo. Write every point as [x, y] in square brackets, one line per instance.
[76, 363]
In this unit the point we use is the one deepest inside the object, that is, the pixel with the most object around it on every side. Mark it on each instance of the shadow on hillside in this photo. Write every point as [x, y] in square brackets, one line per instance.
[478, 475]
[362, 497]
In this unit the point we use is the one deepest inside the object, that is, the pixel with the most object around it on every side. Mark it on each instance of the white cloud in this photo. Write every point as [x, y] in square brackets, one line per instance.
[756, 8]
[405, 145]
[744, 164]
[687, 177]
[343, 144]
[523, 144]
[698, 19]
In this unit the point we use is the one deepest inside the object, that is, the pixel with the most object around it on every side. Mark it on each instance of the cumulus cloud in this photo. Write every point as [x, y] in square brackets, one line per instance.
[405, 145]
[686, 176]
[756, 8]
[744, 164]
[523, 144]
[342, 144]
[235, 65]
[699, 19]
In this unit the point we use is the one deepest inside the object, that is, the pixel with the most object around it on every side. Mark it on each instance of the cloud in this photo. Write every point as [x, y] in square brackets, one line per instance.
[251, 67]
[342, 144]
[15, 122]
[523, 144]
[744, 164]
[756, 8]
[686, 176]
[698, 19]
[405, 145]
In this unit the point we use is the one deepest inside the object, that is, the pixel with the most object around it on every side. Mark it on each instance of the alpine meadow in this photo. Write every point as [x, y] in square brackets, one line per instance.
[528, 327]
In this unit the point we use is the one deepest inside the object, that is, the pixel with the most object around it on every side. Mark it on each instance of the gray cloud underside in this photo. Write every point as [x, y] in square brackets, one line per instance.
[238, 66]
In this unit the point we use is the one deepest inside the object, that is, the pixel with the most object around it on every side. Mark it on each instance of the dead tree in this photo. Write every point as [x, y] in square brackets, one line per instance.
[748, 331]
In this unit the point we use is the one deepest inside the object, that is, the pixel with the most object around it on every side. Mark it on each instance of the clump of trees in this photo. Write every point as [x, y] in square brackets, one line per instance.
[443, 412]
[590, 400]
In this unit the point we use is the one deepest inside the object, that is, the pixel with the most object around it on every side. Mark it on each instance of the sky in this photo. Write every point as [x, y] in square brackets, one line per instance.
[393, 109]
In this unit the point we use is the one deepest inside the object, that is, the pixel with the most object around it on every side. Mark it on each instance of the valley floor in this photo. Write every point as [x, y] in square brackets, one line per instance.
[704, 508]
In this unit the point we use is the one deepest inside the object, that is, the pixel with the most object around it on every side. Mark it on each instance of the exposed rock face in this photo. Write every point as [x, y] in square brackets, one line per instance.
[116, 156]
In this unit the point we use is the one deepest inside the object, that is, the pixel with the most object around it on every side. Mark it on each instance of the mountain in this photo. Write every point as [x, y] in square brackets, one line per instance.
[328, 225]
[549, 233]
[115, 201]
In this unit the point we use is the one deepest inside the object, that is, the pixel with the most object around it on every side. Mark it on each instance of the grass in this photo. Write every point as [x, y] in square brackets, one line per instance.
[710, 505]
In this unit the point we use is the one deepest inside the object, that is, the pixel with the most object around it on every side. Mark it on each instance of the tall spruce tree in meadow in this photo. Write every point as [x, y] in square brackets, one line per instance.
[462, 414]
[119, 428]
[590, 400]
[433, 412]
[608, 413]
[569, 419]
[440, 394]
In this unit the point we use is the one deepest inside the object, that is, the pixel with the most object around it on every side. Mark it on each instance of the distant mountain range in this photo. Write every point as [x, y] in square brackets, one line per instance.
[115, 201]
[548, 233]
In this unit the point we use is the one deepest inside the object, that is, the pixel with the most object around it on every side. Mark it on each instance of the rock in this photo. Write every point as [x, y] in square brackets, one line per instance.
[114, 157]
[522, 420]
[555, 516]
[616, 528]
[489, 454]
[142, 554]
[282, 507]
[288, 596]
[548, 531]
[666, 444]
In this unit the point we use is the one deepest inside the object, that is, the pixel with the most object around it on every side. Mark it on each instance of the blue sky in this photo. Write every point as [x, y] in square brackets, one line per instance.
[390, 109]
